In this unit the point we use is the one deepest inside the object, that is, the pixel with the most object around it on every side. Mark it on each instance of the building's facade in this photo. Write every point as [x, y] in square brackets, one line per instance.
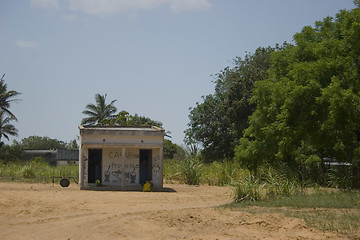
[120, 157]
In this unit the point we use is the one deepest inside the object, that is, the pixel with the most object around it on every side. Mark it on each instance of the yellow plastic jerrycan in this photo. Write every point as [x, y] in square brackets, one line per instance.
[147, 187]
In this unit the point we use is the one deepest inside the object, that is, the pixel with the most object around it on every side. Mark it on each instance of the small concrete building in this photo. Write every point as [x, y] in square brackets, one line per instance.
[121, 158]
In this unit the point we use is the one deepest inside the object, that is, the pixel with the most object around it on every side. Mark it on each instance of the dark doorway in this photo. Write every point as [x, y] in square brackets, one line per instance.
[95, 162]
[145, 165]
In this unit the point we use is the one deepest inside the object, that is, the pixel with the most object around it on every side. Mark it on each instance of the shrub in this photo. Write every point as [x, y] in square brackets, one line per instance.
[11, 153]
[339, 177]
[10, 171]
[249, 189]
[268, 184]
[171, 169]
[28, 172]
[279, 185]
[222, 173]
[190, 171]
[38, 161]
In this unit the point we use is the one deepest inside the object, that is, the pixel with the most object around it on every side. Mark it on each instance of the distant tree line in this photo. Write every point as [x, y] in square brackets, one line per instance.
[291, 107]
[15, 151]
[45, 143]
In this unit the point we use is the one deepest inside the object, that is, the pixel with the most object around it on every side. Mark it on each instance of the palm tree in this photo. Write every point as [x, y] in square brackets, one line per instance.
[6, 97]
[99, 111]
[6, 128]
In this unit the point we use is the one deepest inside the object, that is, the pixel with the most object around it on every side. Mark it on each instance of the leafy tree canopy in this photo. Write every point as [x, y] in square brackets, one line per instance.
[11, 153]
[124, 118]
[219, 121]
[309, 106]
[170, 149]
[41, 143]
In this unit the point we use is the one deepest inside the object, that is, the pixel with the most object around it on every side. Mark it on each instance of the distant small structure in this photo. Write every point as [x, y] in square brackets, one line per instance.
[55, 157]
[333, 162]
[120, 158]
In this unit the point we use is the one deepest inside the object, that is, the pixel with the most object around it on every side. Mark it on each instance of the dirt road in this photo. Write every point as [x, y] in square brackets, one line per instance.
[44, 211]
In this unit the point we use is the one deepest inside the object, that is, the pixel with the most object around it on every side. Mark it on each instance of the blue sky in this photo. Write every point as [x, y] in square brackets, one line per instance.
[156, 57]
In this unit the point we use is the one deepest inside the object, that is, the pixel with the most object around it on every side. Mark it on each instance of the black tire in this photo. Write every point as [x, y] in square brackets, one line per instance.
[64, 182]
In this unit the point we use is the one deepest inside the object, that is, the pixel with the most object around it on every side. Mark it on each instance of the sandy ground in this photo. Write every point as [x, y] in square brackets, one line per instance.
[44, 211]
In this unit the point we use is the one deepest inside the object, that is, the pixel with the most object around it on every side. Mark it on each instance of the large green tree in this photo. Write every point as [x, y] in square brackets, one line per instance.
[99, 112]
[219, 121]
[309, 106]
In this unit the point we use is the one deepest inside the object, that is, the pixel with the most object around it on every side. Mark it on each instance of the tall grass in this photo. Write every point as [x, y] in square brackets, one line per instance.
[193, 171]
[171, 169]
[249, 188]
[268, 183]
[36, 170]
[222, 173]
[190, 171]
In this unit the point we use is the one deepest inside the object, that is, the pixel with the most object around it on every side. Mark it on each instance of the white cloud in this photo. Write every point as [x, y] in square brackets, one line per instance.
[45, 4]
[110, 7]
[25, 44]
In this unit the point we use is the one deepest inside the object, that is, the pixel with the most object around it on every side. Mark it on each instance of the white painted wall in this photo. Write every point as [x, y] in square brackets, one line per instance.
[120, 155]
[112, 166]
[121, 140]
[156, 168]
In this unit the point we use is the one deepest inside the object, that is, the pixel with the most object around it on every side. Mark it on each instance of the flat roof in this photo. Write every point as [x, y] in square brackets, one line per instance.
[142, 128]
[121, 130]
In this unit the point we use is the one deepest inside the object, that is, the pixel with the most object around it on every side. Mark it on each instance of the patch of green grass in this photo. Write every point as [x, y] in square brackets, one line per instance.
[336, 211]
[319, 199]
[345, 221]
[35, 170]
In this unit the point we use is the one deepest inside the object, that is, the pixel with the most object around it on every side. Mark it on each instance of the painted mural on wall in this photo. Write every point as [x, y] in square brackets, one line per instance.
[132, 166]
[85, 168]
[156, 167]
[113, 167]
[112, 173]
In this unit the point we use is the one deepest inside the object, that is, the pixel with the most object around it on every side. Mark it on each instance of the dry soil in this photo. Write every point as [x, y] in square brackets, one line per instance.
[47, 211]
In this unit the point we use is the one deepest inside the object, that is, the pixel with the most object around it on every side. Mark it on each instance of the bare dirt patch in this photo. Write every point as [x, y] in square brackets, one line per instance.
[44, 211]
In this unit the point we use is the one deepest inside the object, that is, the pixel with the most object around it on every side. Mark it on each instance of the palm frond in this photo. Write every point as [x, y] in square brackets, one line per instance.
[7, 97]
[5, 127]
[99, 111]
[90, 113]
